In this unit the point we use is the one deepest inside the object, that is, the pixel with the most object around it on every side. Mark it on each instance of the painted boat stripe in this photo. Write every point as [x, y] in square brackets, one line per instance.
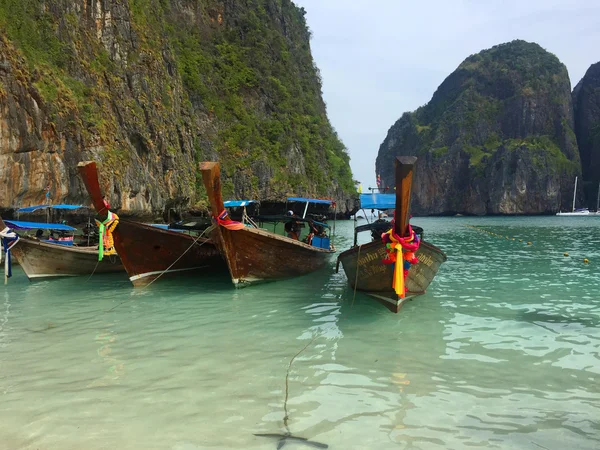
[43, 275]
[158, 272]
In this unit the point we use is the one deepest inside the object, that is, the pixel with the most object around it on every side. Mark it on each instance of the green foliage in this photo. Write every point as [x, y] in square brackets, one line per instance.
[245, 68]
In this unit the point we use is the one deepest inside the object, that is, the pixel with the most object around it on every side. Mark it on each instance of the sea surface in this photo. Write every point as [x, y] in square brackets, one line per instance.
[503, 352]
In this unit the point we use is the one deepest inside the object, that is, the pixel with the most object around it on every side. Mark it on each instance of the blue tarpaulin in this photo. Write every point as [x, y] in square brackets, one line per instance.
[29, 209]
[19, 225]
[234, 203]
[378, 201]
[309, 200]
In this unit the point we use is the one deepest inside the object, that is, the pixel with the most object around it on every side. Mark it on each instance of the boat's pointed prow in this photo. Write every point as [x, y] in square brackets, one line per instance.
[211, 176]
[89, 174]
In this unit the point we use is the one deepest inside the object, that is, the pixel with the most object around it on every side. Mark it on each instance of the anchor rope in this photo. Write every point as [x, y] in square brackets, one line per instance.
[356, 277]
[287, 384]
[167, 269]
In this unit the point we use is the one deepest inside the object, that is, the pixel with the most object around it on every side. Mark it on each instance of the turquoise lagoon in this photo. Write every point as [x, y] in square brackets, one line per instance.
[503, 352]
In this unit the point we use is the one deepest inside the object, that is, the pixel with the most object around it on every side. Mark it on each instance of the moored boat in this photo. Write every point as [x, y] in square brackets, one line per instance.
[254, 254]
[45, 259]
[149, 252]
[363, 263]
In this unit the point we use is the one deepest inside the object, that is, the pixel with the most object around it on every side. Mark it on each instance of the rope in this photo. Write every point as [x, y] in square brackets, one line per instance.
[166, 270]
[93, 271]
[287, 385]
[356, 278]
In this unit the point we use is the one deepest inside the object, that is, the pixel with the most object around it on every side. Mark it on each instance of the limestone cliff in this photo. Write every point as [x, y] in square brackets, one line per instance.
[586, 102]
[496, 138]
[150, 87]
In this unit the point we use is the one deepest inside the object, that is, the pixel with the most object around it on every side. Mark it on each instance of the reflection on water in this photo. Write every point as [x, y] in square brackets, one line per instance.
[502, 352]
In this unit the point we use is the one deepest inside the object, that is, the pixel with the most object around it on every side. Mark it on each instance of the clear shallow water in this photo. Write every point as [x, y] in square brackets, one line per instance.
[502, 352]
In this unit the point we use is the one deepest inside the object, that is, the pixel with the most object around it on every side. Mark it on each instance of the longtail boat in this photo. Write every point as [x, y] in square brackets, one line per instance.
[369, 267]
[254, 254]
[41, 258]
[148, 252]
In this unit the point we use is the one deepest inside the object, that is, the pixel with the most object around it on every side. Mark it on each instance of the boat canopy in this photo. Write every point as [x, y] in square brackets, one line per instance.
[19, 225]
[309, 200]
[378, 201]
[29, 209]
[234, 203]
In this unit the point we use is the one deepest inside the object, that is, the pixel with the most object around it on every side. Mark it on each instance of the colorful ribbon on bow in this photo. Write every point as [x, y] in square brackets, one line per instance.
[406, 248]
[9, 239]
[224, 220]
[106, 240]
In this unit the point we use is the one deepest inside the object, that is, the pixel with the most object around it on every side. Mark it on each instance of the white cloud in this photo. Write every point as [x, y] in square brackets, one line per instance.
[380, 58]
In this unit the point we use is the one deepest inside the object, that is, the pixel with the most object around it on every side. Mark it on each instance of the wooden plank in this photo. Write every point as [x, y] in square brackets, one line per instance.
[404, 174]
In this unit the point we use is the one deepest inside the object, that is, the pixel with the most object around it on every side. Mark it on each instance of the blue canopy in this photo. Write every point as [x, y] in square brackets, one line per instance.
[378, 201]
[29, 209]
[309, 200]
[18, 225]
[233, 203]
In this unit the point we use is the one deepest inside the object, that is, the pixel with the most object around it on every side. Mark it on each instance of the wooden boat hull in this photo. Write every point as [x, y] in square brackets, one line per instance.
[375, 278]
[148, 252]
[43, 260]
[255, 255]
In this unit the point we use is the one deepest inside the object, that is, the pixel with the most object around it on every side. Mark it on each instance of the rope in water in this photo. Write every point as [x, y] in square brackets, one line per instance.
[356, 278]
[167, 269]
[287, 384]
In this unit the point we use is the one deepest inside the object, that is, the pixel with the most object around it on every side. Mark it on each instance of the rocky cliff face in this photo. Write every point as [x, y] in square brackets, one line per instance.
[586, 102]
[496, 138]
[150, 87]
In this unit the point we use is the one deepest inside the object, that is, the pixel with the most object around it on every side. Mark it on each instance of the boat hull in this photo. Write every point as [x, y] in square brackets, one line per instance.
[375, 278]
[43, 260]
[148, 252]
[255, 255]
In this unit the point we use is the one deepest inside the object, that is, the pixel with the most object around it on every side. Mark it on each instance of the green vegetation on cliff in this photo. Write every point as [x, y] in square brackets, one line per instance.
[500, 126]
[163, 81]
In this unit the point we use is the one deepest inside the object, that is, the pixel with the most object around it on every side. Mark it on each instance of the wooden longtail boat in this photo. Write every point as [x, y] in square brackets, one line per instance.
[252, 254]
[363, 263]
[148, 252]
[41, 259]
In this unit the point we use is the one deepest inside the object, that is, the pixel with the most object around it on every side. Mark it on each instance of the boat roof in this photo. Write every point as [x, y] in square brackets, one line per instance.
[309, 200]
[20, 225]
[378, 201]
[234, 203]
[37, 207]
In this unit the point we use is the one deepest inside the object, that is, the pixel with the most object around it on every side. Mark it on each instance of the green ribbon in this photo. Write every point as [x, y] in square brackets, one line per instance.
[102, 227]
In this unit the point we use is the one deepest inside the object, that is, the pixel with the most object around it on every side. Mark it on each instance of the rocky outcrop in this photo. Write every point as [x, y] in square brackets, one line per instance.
[150, 88]
[496, 138]
[586, 102]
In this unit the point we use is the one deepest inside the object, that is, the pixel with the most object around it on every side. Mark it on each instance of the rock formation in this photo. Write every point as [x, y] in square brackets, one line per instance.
[586, 103]
[496, 138]
[150, 87]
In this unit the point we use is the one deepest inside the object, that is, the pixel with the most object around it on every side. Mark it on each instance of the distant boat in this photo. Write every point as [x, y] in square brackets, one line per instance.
[363, 263]
[255, 255]
[575, 212]
[44, 258]
[148, 252]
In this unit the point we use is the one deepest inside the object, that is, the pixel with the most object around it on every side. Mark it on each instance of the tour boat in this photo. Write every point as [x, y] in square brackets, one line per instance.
[363, 263]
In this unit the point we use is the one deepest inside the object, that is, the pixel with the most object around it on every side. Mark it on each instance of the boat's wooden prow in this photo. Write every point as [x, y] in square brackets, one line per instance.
[211, 176]
[89, 174]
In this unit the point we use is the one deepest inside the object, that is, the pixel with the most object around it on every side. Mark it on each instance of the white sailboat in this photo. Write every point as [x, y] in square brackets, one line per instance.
[598, 201]
[575, 212]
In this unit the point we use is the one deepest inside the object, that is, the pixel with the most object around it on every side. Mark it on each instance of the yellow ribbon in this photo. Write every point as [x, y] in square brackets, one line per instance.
[106, 227]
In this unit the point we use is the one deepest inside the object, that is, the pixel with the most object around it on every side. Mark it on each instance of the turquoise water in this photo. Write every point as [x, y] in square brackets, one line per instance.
[502, 352]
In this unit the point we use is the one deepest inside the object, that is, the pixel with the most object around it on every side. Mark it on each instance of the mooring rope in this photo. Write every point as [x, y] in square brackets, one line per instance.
[287, 384]
[356, 278]
[166, 270]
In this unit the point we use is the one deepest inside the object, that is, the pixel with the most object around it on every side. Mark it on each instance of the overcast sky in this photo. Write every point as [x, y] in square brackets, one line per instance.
[380, 58]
